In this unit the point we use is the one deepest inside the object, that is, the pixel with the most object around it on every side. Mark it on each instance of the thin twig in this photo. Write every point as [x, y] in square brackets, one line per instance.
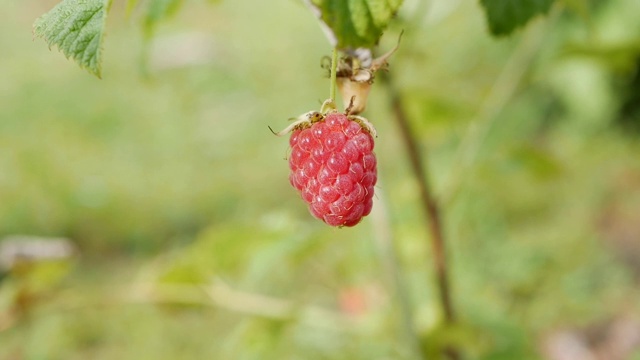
[334, 71]
[428, 202]
[214, 295]
[333, 40]
[223, 296]
[501, 93]
[388, 255]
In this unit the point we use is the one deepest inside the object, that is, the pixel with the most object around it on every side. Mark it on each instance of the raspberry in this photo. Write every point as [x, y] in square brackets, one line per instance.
[334, 168]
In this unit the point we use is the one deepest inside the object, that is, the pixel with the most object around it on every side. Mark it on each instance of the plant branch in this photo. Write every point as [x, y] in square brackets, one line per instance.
[219, 294]
[216, 294]
[429, 203]
[427, 198]
[388, 255]
[501, 93]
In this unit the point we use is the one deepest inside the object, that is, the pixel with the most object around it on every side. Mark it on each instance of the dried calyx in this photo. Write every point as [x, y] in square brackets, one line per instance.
[307, 119]
[355, 75]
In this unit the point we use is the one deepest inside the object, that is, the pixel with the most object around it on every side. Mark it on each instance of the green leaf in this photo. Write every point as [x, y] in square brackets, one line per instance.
[76, 27]
[131, 4]
[504, 16]
[159, 10]
[357, 23]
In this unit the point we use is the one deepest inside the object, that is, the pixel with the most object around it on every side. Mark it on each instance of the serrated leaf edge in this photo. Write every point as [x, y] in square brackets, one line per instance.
[39, 31]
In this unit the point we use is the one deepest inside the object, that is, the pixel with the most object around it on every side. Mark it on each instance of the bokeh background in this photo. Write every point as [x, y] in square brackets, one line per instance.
[163, 198]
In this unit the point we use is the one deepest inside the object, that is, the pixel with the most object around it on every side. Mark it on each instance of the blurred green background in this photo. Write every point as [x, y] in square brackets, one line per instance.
[190, 242]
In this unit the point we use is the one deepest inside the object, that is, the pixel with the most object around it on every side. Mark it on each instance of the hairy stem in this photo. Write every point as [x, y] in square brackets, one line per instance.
[428, 202]
[334, 70]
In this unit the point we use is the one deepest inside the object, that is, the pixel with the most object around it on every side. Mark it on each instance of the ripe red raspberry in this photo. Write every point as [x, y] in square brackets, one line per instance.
[334, 168]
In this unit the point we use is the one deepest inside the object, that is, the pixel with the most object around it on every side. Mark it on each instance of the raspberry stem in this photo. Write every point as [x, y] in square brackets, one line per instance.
[431, 207]
[334, 70]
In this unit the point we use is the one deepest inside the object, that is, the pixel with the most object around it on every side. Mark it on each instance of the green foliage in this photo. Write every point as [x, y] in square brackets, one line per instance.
[357, 23]
[77, 28]
[158, 10]
[185, 168]
[504, 16]
[131, 4]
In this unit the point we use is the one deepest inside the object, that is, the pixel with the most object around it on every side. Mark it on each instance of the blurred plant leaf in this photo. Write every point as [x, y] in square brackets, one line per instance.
[461, 335]
[357, 23]
[217, 252]
[581, 8]
[131, 4]
[76, 27]
[43, 276]
[158, 10]
[504, 16]
[621, 56]
[537, 161]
